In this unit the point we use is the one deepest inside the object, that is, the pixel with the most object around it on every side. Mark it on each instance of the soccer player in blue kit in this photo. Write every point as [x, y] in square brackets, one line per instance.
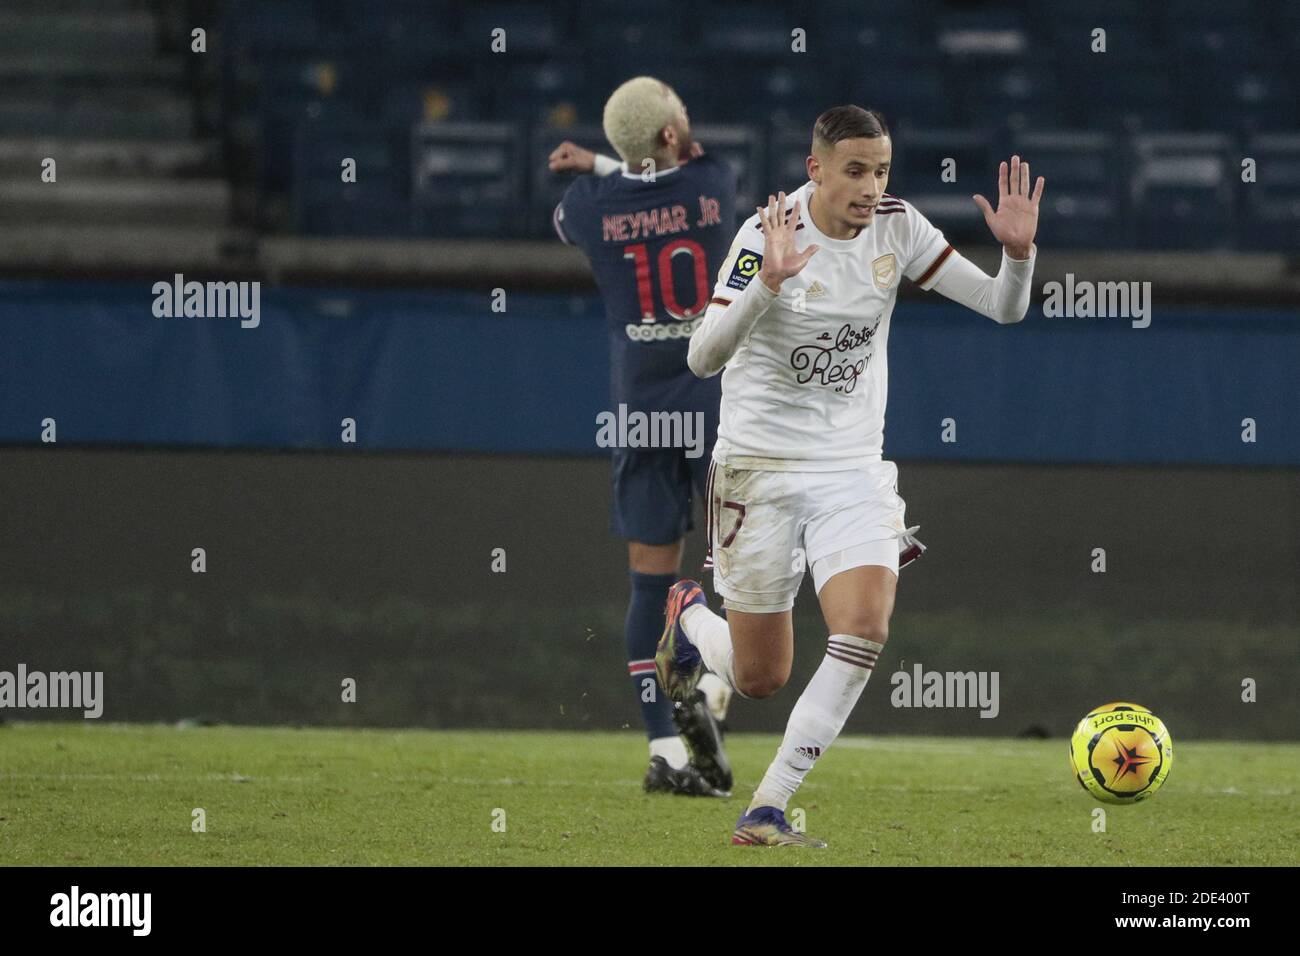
[655, 229]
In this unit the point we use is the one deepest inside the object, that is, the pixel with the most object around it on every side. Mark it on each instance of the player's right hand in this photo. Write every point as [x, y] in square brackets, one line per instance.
[781, 259]
[570, 157]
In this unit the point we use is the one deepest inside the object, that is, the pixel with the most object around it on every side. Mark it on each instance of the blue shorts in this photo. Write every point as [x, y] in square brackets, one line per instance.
[653, 491]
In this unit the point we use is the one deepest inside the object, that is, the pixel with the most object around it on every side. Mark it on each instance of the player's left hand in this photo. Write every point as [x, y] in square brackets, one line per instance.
[570, 157]
[1015, 222]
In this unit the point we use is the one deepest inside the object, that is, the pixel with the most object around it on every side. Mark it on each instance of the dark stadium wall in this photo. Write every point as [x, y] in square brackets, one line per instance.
[379, 567]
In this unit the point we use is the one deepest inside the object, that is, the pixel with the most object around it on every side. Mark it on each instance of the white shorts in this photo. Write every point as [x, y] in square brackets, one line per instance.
[767, 527]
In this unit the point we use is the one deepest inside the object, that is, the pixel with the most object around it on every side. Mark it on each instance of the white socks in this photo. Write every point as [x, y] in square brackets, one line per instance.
[717, 694]
[818, 717]
[710, 634]
[672, 749]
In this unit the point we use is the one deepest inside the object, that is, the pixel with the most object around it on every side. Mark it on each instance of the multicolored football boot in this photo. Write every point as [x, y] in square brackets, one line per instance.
[767, 826]
[677, 661]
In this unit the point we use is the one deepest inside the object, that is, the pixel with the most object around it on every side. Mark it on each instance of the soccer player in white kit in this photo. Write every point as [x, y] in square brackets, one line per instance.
[800, 319]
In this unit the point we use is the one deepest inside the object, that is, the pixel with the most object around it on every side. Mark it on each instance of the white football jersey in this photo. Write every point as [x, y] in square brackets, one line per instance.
[806, 389]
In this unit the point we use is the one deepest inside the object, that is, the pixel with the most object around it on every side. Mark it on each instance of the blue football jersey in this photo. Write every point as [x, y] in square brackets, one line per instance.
[655, 248]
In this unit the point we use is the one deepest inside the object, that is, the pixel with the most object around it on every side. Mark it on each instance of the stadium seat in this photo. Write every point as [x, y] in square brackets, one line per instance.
[1123, 94]
[782, 92]
[466, 179]
[375, 204]
[620, 41]
[1017, 95]
[1182, 190]
[1272, 202]
[528, 28]
[557, 90]
[883, 31]
[787, 153]
[981, 36]
[919, 162]
[1081, 203]
[736, 29]
[430, 100]
[290, 26]
[741, 146]
[1022, 74]
[908, 91]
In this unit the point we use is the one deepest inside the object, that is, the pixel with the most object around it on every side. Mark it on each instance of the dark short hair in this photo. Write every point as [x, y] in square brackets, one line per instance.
[848, 122]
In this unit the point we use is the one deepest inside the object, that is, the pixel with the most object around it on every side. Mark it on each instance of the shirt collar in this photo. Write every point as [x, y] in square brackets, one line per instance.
[658, 173]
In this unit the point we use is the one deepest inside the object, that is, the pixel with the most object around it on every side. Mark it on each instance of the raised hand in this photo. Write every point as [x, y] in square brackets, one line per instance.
[781, 259]
[570, 157]
[1015, 222]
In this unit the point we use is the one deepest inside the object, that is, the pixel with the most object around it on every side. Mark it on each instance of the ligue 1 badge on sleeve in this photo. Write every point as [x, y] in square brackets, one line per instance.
[746, 267]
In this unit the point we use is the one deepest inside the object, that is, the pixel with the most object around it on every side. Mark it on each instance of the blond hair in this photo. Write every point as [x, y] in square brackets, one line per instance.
[634, 115]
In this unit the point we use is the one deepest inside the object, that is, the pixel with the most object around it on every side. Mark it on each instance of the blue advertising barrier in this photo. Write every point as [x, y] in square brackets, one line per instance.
[440, 371]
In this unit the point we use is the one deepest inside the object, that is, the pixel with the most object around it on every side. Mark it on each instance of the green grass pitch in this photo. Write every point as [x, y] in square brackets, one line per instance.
[87, 794]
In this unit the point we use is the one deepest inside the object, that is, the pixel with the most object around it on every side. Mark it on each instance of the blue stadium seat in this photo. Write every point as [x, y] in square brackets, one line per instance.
[290, 26]
[736, 29]
[376, 204]
[620, 40]
[1071, 41]
[907, 91]
[433, 100]
[391, 26]
[950, 77]
[1242, 98]
[1272, 202]
[1209, 13]
[467, 179]
[279, 131]
[919, 158]
[1182, 190]
[530, 28]
[1018, 95]
[557, 90]
[983, 35]
[1082, 198]
[1234, 78]
[881, 31]
[1118, 94]
[356, 210]
[742, 147]
[782, 92]
[787, 152]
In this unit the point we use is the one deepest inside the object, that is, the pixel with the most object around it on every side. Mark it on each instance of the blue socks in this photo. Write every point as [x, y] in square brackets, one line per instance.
[644, 624]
